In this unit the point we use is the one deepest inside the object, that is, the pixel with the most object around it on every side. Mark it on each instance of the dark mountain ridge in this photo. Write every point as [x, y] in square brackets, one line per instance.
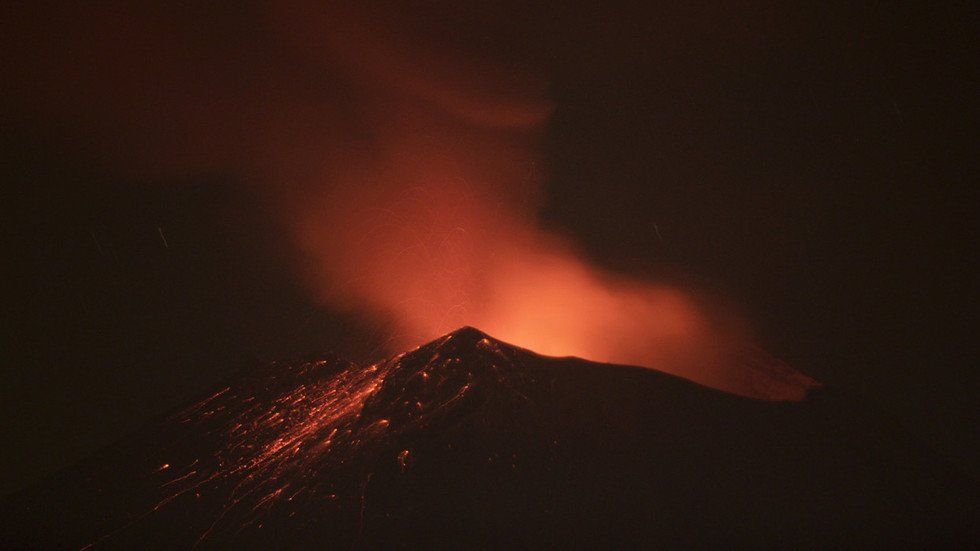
[471, 442]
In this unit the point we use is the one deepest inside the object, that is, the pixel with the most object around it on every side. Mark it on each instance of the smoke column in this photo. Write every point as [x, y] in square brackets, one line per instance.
[407, 174]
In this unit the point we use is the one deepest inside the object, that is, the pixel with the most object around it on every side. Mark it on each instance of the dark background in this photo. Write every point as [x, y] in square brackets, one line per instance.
[814, 163]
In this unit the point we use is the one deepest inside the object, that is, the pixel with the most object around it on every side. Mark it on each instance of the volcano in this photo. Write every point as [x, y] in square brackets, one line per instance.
[471, 442]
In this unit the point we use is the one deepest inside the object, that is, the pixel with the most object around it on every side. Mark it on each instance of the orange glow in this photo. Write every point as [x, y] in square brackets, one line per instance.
[407, 173]
[432, 225]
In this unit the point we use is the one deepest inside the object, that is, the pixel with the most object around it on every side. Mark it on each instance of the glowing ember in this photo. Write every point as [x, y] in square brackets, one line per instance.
[468, 441]
[288, 433]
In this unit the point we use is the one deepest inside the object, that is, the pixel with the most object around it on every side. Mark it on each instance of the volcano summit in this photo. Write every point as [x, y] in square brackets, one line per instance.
[471, 442]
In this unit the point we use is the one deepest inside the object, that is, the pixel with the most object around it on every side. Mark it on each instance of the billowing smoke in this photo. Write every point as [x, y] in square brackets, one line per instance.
[408, 174]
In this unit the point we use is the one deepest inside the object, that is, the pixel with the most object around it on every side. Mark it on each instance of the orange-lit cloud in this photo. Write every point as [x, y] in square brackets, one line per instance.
[408, 175]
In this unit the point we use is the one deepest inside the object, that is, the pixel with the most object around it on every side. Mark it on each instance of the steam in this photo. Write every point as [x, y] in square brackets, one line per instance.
[408, 175]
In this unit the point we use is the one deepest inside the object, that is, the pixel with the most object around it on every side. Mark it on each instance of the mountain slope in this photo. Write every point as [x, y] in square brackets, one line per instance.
[468, 441]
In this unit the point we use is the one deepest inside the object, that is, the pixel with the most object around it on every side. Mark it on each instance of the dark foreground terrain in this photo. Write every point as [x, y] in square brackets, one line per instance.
[470, 442]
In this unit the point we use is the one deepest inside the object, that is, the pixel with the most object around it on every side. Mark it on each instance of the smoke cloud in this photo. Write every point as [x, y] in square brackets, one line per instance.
[407, 173]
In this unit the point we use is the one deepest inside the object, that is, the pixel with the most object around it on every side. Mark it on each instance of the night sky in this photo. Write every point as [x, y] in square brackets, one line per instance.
[813, 163]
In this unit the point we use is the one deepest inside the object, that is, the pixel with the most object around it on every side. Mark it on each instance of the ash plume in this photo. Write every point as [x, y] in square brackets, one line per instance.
[407, 173]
